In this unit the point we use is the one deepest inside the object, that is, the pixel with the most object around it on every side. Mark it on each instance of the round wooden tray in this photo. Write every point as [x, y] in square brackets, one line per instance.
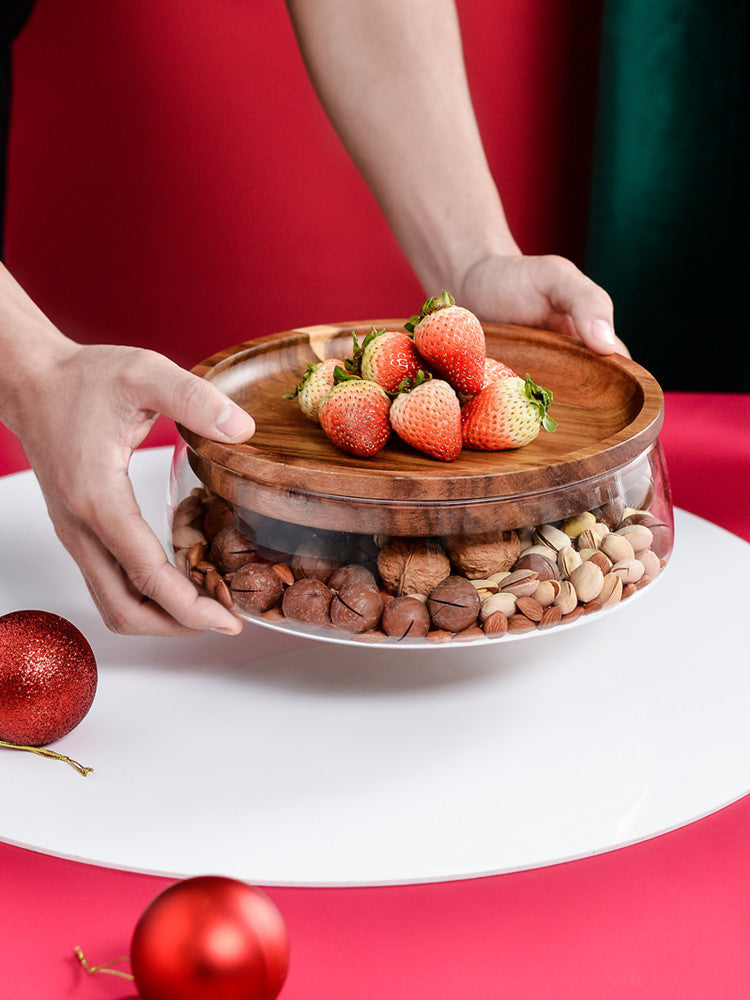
[608, 409]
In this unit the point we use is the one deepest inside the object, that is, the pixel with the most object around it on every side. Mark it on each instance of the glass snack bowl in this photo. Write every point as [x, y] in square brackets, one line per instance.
[403, 549]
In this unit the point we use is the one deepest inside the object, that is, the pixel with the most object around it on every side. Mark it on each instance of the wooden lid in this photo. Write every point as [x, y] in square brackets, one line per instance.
[608, 410]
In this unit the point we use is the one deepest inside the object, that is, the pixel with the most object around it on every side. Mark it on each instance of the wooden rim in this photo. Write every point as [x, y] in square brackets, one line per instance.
[609, 411]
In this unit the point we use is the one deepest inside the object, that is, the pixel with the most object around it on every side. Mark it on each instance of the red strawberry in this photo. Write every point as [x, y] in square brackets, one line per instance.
[506, 414]
[316, 382]
[389, 357]
[451, 340]
[428, 417]
[493, 372]
[354, 415]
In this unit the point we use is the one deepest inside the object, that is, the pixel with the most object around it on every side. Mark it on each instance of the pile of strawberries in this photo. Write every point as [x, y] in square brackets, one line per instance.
[433, 385]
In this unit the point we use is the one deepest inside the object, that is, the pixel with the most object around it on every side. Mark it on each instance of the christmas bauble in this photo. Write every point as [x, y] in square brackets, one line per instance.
[210, 938]
[48, 677]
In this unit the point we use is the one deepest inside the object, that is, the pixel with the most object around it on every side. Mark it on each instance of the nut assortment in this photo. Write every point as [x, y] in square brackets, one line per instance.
[457, 588]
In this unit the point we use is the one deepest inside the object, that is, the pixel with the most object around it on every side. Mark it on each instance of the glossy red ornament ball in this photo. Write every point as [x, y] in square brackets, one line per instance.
[210, 938]
[48, 677]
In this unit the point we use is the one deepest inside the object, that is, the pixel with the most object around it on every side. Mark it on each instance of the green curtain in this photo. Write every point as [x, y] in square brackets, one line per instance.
[669, 229]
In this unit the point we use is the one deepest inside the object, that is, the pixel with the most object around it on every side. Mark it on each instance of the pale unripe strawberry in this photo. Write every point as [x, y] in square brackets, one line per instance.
[451, 339]
[316, 382]
[428, 417]
[506, 414]
[354, 416]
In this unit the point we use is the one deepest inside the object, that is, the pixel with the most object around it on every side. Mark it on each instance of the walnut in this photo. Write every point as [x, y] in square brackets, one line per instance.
[412, 565]
[479, 556]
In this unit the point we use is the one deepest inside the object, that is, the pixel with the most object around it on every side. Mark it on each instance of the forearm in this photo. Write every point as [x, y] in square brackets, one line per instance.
[391, 77]
[29, 345]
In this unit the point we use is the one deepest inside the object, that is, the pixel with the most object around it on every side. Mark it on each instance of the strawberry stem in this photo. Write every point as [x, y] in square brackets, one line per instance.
[542, 399]
[44, 752]
[341, 375]
[308, 372]
[437, 302]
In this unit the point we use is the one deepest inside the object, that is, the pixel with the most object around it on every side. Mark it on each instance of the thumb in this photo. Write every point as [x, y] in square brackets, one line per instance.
[194, 402]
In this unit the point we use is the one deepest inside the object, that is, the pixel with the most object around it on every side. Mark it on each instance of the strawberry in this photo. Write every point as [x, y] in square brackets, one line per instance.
[493, 372]
[506, 414]
[451, 340]
[428, 417]
[388, 357]
[354, 415]
[316, 382]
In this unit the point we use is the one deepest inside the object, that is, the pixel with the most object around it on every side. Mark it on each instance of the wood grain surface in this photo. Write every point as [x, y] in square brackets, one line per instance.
[608, 410]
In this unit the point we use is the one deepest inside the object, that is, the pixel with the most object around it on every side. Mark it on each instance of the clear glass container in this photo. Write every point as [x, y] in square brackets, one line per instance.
[409, 551]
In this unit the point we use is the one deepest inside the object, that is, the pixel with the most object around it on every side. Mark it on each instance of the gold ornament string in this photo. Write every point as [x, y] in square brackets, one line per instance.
[44, 752]
[94, 969]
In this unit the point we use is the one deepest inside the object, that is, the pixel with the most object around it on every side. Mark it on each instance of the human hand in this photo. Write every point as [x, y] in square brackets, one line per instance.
[548, 292]
[96, 405]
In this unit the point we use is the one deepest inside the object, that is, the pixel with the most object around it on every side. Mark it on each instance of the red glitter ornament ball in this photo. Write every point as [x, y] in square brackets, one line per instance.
[210, 938]
[48, 677]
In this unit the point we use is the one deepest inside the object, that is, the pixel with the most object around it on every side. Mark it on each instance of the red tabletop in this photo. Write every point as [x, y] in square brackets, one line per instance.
[667, 918]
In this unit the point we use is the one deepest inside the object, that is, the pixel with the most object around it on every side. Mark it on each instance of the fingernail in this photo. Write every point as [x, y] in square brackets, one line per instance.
[224, 631]
[602, 332]
[234, 422]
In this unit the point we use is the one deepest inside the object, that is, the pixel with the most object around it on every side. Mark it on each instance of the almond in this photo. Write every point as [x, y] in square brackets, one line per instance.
[520, 623]
[531, 608]
[552, 616]
[284, 573]
[495, 624]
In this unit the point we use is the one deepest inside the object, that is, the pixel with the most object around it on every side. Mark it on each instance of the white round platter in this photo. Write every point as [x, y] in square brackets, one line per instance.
[284, 760]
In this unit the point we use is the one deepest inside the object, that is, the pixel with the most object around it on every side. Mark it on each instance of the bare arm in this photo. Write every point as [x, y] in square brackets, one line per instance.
[80, 412]
[391, 77]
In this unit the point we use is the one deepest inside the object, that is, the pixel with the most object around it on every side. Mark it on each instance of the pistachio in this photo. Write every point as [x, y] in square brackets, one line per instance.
[522, 583]
[568, 559]
[546, 551]
[639, 536]
[587, 539]
[611, 592]
[617, 547]
[548, 534]
[497, 602]
[525, 537]
[567, 599]
[498, 577]
[489, 586]
[587, 581]
[587, 553]
[603, 562]
[600, 531]
[573, 526]
[611, 513]
[629, 570]
[651, 562]
[546, 592]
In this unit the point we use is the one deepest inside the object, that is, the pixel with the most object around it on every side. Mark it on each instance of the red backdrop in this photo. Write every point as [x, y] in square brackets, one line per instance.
[174, 182]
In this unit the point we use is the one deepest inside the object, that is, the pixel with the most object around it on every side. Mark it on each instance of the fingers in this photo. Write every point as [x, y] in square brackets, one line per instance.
[138, 592]
[585, 306]
[199, 405]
